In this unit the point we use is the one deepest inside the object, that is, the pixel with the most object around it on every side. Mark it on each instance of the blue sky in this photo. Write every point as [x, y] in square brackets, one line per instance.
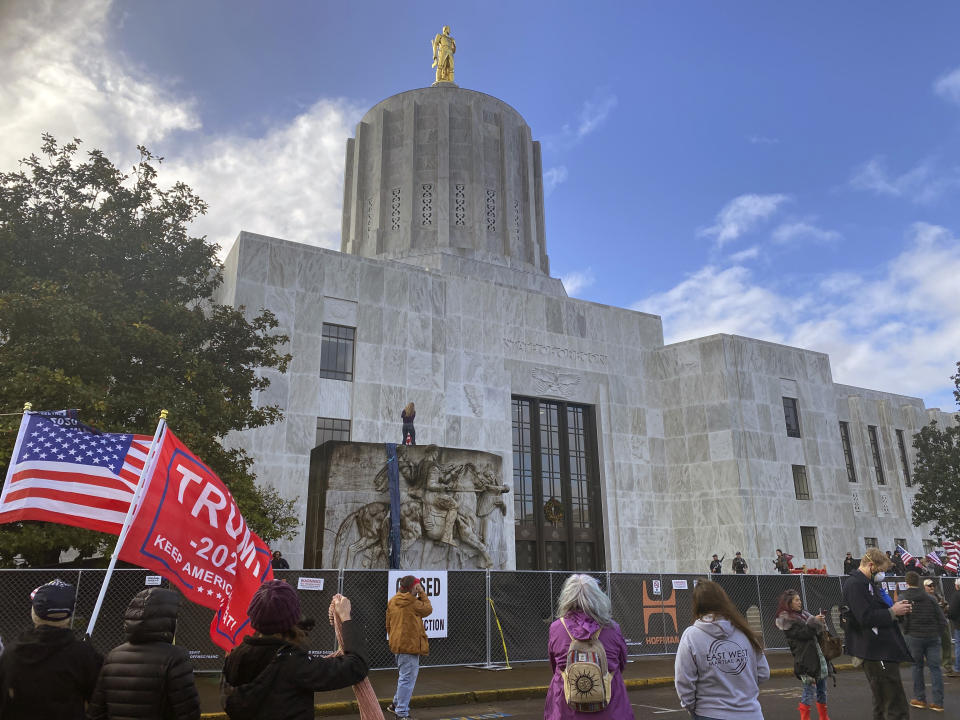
[786, 171]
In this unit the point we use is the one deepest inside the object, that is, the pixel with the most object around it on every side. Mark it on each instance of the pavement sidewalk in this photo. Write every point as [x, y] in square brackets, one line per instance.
[438, 686]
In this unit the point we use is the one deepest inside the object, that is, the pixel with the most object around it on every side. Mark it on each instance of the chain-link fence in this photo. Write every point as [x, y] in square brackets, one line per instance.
[653, 610]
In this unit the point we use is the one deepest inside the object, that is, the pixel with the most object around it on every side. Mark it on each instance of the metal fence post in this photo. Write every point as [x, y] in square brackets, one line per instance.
[803, 593]
[340, 572]
[487, 607]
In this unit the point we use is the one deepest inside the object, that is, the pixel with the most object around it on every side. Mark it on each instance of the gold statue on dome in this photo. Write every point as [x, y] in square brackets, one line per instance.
[444, 47]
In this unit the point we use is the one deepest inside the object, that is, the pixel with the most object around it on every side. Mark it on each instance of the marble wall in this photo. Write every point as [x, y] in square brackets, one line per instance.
[693, 452]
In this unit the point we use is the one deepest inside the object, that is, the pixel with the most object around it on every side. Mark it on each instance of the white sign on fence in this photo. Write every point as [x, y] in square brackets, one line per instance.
[435, 585]
[309, 583]
[153, 580]
[656, 587]
[679, 584]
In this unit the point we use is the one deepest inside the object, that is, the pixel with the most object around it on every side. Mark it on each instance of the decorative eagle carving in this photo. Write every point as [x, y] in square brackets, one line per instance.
[551, 382]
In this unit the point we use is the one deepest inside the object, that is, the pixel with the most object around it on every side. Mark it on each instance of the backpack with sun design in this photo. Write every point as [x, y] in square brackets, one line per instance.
[586, 680]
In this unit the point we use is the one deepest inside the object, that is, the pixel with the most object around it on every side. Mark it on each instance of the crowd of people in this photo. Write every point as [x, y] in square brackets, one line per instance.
[720, 660]
[783, 564]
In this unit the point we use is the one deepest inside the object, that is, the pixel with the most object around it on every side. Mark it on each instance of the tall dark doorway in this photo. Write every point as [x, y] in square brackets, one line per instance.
[556, 486]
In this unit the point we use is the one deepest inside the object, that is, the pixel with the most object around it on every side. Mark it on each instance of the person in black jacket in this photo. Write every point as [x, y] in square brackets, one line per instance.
[953, 614]
[276, 657]
[47, 673]
[923, 628]
[873, 635]
[802, 631]
[147, 678]
[716, 565]
[850, 564]
[739, 564]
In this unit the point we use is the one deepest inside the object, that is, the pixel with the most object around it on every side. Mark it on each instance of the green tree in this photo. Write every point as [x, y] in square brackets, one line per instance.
[105, 306]
[937, 474]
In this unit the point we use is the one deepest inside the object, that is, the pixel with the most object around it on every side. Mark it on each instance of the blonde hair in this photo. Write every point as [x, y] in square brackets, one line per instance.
[878, 557]
[582, 592]
[37, 620]
[408, 409]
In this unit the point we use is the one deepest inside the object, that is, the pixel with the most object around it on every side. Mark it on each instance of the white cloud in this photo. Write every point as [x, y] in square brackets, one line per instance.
[751, 253]
[553, 177]
[896, 329]
[793, 232]
[924, 183]
[57, 77]
[595, 112]
[948, 86]
[762, 140]
[575, 282]
[288, 183]
[741, 215]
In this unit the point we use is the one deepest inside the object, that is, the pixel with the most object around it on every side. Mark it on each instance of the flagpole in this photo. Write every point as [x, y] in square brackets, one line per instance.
[127, 522]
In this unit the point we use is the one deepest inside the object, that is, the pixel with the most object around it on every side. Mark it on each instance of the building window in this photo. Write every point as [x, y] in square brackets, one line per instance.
[900, 542]
[847, 451]
[332, 429]
[808, 537]
[870, 542]
[800, 486]
[928, 546]
[903, 458]
[556, 491]
[792, 416]
[875, 447]
[336, 352]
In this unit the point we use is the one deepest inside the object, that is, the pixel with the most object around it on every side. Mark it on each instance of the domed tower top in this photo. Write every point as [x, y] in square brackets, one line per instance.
[449, 179]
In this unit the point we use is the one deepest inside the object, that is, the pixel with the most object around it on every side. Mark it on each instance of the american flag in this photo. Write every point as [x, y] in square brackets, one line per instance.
[953, 553]
[63, 472]
[934, 558]
[907, 557]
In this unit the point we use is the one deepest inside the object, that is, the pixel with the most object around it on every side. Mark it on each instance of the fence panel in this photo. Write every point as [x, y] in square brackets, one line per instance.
[523, 604]
[770, 588]
[648, 622]
[823, 594]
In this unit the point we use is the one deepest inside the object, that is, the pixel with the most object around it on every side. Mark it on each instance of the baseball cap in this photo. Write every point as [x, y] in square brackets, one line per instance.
[54, 601]
[928, 581]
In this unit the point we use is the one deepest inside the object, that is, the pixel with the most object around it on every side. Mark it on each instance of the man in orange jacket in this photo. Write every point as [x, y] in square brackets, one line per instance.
[408, 639]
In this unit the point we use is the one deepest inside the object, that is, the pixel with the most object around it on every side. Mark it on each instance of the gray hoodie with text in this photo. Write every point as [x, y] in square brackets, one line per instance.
[717, 671]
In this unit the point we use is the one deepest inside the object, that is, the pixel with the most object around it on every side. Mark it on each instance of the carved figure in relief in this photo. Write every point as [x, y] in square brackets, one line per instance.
[553, 382]
[444, 47]
[449, 504]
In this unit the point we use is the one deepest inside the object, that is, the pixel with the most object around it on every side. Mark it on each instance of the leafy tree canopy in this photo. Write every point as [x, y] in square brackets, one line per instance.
[937, 474]
[105, 306]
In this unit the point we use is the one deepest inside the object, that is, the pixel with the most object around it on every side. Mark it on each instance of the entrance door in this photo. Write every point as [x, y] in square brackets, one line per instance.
[556, 486]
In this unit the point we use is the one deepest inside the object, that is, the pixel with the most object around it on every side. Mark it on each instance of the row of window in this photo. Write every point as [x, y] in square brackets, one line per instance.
[791, 417]
[871, 542]
[875, 454]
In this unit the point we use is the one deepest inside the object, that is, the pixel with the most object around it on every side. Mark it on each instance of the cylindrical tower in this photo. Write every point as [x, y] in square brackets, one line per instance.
[440, 174]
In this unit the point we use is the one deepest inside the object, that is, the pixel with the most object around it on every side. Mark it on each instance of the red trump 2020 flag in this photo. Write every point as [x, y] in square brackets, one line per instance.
[64, 472]
[188, 529]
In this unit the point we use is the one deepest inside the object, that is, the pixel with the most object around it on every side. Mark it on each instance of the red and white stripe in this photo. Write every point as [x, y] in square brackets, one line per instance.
[953, 554]
[88, 497]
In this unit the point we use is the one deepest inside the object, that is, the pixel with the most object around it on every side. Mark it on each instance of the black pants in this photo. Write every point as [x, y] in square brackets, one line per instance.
[409, 429]
[889, 700]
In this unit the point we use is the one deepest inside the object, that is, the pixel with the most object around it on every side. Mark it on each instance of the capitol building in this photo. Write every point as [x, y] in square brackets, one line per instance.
[620, 453]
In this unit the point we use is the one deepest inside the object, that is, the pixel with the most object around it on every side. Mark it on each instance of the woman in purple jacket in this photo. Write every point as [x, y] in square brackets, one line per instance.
[585, 608]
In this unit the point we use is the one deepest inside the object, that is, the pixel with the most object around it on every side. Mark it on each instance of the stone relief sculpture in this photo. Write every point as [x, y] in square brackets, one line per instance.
[444, 47]
[451, 514]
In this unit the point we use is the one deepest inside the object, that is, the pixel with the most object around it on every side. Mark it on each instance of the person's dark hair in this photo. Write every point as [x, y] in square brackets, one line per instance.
[710, 598]
[912, 579]
[784, 603]
[779, 550]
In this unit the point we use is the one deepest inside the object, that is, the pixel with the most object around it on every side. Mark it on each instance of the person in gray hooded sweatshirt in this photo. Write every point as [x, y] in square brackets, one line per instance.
[720, 660]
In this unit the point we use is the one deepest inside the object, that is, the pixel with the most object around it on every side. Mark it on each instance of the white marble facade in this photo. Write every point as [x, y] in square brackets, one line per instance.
[694, 456]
